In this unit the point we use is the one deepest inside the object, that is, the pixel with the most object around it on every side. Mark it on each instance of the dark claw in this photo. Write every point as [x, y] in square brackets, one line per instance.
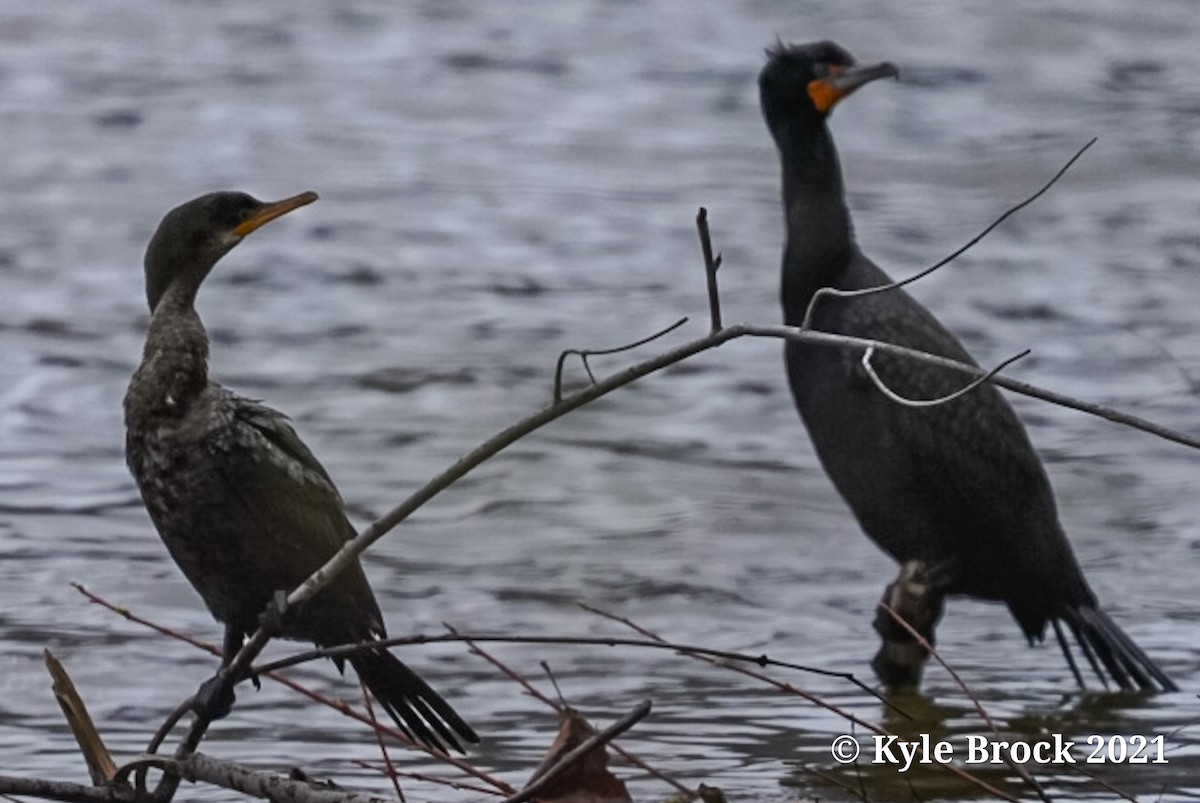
[917, 596]
[214, 699]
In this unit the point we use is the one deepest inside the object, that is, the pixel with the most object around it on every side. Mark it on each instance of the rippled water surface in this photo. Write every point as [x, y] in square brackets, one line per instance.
[500, 182]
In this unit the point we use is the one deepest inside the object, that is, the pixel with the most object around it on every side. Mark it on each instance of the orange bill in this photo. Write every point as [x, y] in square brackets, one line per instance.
[841, 81]
[269, 211]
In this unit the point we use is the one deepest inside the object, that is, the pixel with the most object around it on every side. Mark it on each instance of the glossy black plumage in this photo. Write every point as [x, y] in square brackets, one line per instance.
[956, 486]
[242, 505]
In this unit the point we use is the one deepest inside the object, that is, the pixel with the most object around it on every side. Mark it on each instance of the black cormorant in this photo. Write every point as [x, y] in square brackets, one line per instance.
[956, 487]
[242, 505]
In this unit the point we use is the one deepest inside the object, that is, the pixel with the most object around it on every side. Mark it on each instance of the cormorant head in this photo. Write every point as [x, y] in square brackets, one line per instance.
[802, 83]
[192, 237]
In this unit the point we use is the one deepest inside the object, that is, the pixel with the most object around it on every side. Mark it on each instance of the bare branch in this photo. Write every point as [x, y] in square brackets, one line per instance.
[711, 264]
[229, 775]
[898, 399]
[830, 291]
[497, 443]
[67, 792]
[845, 341]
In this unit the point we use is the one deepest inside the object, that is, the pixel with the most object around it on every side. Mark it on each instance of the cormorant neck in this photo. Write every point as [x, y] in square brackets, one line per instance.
[174, 369]
[820, 236]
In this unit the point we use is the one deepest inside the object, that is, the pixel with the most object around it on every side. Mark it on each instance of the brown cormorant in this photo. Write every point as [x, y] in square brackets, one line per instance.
[956, 486]
[242, 505]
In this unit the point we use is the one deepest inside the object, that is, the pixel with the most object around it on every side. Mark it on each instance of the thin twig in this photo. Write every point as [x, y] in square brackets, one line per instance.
[529, 688]
[164, 730]
[1019, 769]
[762, 660]
[812, 337]
[545, 665]
[419, 776]
[790, 689]
[983, 714]
[383, 750]
[583, 355]
[125, 613]
[905, 402]
[830, 291]
[337, 705]
[711, 264]
[144, 761]
[1106, 784]
[718, 660]
[1191, 383]
[559, 706]
[588, 745]
[396, 735]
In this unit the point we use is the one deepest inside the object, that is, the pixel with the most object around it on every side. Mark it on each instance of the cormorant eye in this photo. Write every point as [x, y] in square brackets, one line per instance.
[825, 69]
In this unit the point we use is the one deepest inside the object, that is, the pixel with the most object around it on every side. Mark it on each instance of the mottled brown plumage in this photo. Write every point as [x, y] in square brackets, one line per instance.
[242, 505]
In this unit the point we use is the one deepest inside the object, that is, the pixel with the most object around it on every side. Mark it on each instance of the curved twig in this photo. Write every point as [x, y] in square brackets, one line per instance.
[830, 291]
[949, 397]
[583, 355]
[139, 766]
[169, 724]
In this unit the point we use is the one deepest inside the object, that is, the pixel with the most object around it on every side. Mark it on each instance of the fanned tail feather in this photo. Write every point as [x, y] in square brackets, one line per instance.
[415, 707]
[1108, 650]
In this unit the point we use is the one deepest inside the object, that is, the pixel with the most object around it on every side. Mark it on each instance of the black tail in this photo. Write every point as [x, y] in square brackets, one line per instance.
[417, 709]
[1110, 652]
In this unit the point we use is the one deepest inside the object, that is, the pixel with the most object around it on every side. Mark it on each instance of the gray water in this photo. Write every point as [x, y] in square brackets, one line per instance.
[500, 182]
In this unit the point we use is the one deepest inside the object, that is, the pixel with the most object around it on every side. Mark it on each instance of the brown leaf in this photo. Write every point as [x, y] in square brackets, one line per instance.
[587, 780]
